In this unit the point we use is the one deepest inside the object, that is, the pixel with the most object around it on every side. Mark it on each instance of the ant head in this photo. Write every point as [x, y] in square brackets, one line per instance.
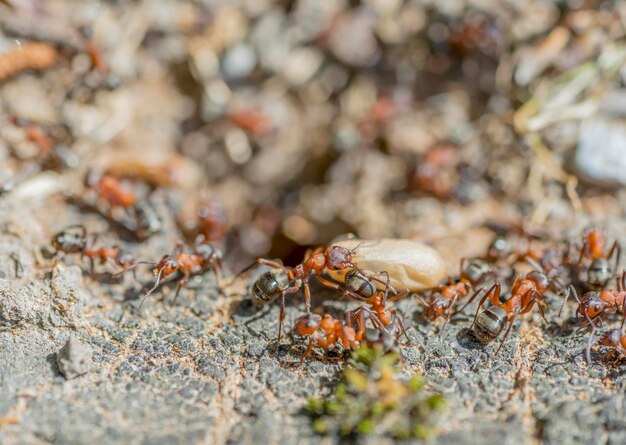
[167, 266]
[338, 258]
[436, 308]
[306, 325]
[540, 279]
[599, 272]
[611, 338]
[591, 305]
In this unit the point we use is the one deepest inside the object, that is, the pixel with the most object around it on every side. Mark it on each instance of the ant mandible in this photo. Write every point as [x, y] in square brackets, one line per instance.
[525, 292]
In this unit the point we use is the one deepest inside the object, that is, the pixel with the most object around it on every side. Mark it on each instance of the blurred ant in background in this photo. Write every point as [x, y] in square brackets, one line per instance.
[594, 262]
[73, 239]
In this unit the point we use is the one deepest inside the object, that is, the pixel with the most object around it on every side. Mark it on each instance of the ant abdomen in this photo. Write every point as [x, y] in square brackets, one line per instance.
[269, 286]
[489, 324]
[360, 284]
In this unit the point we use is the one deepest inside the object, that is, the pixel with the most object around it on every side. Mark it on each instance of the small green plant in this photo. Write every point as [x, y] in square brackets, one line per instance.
[373, 399]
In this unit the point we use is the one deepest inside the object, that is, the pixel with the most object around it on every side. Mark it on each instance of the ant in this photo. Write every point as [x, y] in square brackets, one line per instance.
[69, 241]
[202, 258]
[443, 301]
[611, 339]
[593, 304]
[361, 288]
[445, 297]
[110, 190]
[284, 280]
[328, 332]
[525, 292]
[593, 250]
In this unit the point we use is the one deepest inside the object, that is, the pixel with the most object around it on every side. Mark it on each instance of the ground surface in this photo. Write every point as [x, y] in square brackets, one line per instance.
[204, 370]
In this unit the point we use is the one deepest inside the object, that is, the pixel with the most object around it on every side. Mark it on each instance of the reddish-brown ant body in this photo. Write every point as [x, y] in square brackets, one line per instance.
[362, 288]
[525, 293]
[595, 304]
[443, 299]
[614, 339]
[284, 280]
[70, 241]
[203, 257]
[329, 331]
[110, 190]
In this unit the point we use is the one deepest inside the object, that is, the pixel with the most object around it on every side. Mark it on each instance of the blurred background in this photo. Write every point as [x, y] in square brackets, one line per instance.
[272, 126]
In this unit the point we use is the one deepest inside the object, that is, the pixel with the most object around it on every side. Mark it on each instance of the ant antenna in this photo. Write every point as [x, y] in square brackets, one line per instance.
[570, 290]
[133, 267]
[158, 281]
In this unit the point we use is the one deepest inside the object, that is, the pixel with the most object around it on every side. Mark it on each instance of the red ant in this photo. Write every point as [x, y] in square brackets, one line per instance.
[251, 121]
[212, 221]
[525, 292]
[434, 174]
[594, 304]
[599, 271]
[68, 241]
[288, 280]
[328, 332]
[612, 339]
[111, 190]
[360, 287]
[444, 298]
[204, 257]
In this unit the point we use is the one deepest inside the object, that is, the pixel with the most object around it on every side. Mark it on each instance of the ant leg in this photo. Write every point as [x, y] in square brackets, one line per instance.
[180, 285]
[506, 334]
[571, 290]
[621, 327]
[288, 291]
[365, 274]
[263, 261]
[306, 353]
[479, 290]
[495, 290]
[345, 292]
[307, 296]
[402, 328]
[583, 250]
[617, 250]
[281, 317]
[445, 323]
